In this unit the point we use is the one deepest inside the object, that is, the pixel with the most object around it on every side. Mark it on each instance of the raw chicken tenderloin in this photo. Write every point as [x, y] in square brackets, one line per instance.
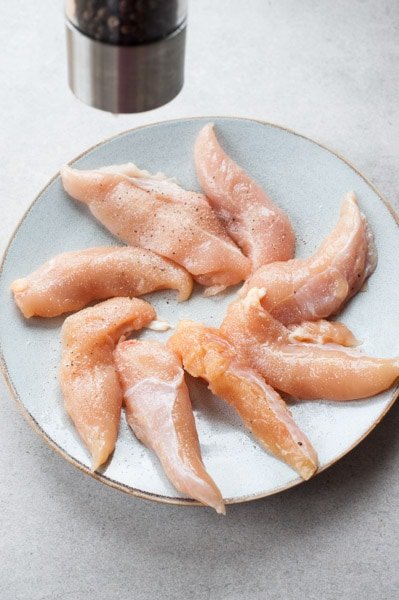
[159, 411]
[207, 354]
[255, 223]
[318, 286]
[70, 281]
[303, 370]
[89, 382]
[153, 212]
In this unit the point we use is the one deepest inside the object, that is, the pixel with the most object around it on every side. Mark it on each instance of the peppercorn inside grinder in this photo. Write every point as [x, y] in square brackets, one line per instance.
[126, 56]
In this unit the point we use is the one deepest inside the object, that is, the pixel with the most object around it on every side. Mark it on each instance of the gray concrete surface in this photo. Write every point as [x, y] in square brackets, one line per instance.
[329, 70]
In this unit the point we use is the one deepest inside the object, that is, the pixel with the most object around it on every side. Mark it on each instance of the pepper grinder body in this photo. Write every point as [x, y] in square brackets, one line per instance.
[126, 56]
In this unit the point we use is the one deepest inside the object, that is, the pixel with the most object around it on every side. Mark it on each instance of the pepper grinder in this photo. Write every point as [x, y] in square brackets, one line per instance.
[126, 56]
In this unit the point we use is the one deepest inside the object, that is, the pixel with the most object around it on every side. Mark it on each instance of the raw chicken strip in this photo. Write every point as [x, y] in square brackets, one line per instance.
[206, 353]
[89, 382]
[158, 410]
[318, 286]
[251, 218]
[153, 212]
[300, 369]
[70, 281]
[322, 332]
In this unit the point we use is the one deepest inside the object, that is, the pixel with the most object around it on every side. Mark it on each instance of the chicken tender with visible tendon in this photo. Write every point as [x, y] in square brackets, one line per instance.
[88, 378]
[158, 409]
[70, 281]
[317, 287]
[153, 212]
[206, 353]
[303, 370]
[251, 218]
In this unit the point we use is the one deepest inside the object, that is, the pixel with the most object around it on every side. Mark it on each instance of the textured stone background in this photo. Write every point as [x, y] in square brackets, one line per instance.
[330, 71]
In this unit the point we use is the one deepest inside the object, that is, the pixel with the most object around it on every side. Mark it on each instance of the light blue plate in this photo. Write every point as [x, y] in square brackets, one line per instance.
[307, 181]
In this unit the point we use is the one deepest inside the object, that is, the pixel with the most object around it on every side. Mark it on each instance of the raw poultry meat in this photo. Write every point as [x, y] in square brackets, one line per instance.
[317, 287]
[70, 281]
[303, 370]
[252, 219]
[89, 382]
[206, 353]
[158, 409]
[153, 212]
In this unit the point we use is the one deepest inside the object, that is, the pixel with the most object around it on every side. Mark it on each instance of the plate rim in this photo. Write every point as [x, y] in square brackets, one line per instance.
[100, 476]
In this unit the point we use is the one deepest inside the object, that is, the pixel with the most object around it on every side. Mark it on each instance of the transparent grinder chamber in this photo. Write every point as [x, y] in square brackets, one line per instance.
[126, 56]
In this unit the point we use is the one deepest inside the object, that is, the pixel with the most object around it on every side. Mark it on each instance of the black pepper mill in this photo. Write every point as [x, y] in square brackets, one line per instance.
[126, 56]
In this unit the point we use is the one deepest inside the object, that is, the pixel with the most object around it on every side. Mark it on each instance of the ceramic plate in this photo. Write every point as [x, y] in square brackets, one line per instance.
[306, 180]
